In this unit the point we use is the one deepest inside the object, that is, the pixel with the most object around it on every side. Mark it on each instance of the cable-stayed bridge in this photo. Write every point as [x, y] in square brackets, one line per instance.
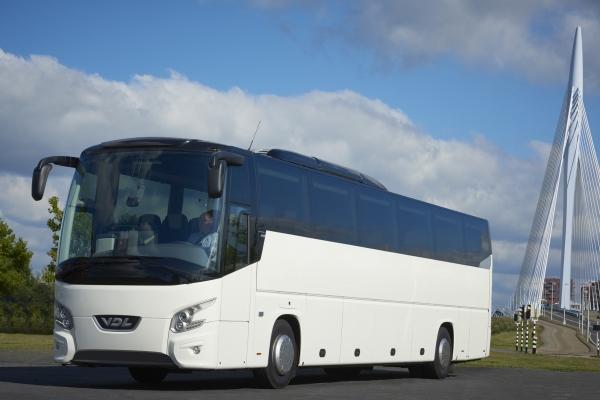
[572, 178]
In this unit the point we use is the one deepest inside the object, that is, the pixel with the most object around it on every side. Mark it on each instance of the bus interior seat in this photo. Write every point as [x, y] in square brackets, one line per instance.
[174, 228]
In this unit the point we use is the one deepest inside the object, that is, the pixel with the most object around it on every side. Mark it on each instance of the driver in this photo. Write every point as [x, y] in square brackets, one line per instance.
[204, 234]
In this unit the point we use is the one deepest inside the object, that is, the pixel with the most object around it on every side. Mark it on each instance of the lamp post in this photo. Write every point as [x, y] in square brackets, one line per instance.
[587, 336]
[552, 302]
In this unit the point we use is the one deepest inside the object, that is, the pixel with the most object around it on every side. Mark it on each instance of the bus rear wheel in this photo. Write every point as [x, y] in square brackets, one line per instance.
[148, 375]
[283, 358]
[440, 367]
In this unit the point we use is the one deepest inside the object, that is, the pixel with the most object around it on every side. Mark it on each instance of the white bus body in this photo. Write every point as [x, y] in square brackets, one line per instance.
[347, 305]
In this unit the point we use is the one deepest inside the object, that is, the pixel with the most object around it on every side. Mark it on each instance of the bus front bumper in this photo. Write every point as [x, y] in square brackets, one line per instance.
[150, 344]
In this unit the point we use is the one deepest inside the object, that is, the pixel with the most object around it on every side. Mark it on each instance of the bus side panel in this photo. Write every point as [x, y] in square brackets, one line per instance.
[359, 344]
[302, 265]
[461, 335]
[233, 344]
[269, 307]
[426, 323]
[479, 340]
[235, 295]
[321, 329]
[439, 282]
[235, 313]
[367, 280]
[374, 329]
[392, 331]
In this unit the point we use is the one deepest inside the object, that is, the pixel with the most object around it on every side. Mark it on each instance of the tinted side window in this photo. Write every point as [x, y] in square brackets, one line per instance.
[448, 237]
[239, 183]
[376, 226]
[332, 214]
[477, 241]
[415, 235]
[236, 242]
[281, 197]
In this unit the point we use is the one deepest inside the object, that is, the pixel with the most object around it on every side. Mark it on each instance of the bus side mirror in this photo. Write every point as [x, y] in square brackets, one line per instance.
[42, 170]
[38, 181]
[216, 179]
[217, 168]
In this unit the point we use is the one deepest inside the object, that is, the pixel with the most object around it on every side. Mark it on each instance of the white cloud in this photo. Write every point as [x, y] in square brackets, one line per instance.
[28, 218]
[50, 109]
[531, 37]
[16, 202]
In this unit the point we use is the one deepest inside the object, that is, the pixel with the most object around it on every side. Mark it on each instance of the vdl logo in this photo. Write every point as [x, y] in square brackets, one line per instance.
[117, 322]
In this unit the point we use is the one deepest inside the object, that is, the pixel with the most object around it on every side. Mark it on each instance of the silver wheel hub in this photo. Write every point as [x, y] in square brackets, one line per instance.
[444, 352]
[284, 354]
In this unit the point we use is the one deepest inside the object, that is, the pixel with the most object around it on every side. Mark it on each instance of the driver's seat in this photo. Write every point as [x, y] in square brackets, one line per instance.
[173, 229]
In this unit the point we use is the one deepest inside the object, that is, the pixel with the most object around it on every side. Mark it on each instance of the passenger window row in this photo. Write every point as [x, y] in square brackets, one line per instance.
[296, 200]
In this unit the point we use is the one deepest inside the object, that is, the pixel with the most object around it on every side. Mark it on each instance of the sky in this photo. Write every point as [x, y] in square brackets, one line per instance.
[452, 102]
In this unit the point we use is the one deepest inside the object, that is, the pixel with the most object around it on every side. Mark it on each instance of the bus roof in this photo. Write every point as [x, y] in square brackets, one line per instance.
[283, 155]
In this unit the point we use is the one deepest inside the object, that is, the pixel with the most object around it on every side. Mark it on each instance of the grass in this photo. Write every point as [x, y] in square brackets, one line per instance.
[538, 361]
[506, 340]
[20, 341]
[504, 356]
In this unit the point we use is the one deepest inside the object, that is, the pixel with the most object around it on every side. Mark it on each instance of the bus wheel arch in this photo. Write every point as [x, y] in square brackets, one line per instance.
[284, 354]
[295, 324]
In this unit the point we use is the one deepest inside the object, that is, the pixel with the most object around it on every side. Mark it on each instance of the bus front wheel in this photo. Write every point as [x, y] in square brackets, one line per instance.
[283, 358]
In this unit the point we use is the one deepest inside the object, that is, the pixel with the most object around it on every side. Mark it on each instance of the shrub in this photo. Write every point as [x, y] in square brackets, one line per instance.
[502, 324]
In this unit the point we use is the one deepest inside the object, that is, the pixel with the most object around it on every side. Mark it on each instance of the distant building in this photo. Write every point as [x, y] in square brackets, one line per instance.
[551, 291]
[590, 295]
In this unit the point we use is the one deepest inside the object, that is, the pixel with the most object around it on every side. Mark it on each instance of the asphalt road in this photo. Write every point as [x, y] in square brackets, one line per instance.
[36, 379]
[560, 339]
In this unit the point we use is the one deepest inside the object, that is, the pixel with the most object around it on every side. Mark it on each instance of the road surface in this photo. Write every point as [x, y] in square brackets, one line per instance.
[560, 340]
[30, 376]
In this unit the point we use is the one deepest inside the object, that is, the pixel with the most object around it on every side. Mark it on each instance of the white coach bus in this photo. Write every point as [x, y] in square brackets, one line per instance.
[186, 255]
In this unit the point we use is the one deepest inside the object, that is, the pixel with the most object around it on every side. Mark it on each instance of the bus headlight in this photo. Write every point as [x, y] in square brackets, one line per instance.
[188, 318]
[62, 316]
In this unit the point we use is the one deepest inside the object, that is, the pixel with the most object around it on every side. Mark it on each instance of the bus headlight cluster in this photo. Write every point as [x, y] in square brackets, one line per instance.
[62, 316]
[188, 318]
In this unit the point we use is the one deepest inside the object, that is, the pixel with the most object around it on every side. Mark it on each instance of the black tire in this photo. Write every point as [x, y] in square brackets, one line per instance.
[440, 367]
[278, 374]
[147, 375]
[343, 372]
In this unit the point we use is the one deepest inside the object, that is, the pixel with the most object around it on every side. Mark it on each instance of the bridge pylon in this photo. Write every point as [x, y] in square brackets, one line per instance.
[572, 165]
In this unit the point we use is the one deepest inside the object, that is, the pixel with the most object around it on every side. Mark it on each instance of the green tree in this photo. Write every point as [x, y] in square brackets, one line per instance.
[25, 303]
[54, 222]
[14, 261]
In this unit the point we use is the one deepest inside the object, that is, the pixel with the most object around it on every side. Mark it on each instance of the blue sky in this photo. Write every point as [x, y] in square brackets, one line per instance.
[281, 51]
[463, 96]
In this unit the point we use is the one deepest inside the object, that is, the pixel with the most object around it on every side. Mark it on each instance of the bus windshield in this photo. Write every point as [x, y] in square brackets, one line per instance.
[140, 217]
